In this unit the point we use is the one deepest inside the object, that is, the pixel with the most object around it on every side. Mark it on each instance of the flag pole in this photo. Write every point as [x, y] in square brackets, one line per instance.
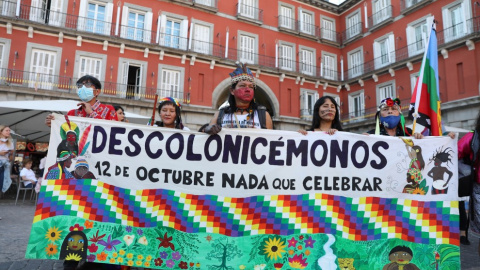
[418, 86]
[154, 110]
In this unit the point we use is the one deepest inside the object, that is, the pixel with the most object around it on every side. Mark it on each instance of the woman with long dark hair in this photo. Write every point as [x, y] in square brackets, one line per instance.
[326, 116]
[170, 114]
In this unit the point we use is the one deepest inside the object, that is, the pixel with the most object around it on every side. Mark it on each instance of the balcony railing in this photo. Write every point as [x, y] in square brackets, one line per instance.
[407, 6]
[381, 16]
[8, 8]
[287, 23]
[352, 32]
[308, 29]
[249, 13]
[330, 35]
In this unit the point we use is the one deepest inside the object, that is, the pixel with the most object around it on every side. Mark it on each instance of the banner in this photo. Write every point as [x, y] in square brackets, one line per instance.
[245, 199]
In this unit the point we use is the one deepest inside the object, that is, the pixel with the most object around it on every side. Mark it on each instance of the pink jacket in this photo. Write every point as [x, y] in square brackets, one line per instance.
[464, 150]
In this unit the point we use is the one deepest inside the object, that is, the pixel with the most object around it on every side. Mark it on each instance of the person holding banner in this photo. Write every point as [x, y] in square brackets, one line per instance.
[389, 120]
[170, 114]
[88, 89]
[325, 116]
[6, 149]
[243, 111]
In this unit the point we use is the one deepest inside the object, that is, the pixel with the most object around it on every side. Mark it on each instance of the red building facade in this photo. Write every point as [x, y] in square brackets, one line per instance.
[358, 52]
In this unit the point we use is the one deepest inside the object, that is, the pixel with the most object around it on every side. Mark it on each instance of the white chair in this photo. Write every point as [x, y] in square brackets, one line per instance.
[21, 186]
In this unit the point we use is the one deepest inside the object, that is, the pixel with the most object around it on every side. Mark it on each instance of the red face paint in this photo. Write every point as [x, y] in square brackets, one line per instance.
[71, 138]
[244, 93]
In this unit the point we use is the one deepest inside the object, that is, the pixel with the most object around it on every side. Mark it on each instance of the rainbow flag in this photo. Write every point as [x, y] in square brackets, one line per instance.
[425, 102]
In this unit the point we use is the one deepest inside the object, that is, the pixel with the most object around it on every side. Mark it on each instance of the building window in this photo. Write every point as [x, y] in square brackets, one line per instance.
[307, 103]
[355, 63]
[4, 52]
[417, 33]
[136, 24]
[248, 8]
[48, 11]
[455, 20]
[356, 105]
[307, 61]
[307, 25]
[329, 69]
[354, 25]
[385, 90]
[384, 51]
[286, 17]
[247, 48]
[173, 31]
[413, 81]
[286, 56]
[90, 66]
[201, 38]
[42, 69]
[204, 2]
[328, 29]
[95, 17]
[171, 81]
[381, 11]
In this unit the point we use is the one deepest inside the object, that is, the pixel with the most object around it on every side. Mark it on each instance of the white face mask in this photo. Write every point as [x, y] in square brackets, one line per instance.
[4, 139]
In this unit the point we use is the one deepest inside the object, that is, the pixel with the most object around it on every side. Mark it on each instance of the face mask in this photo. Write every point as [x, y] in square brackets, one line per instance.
[244, 93]
[390, 121]
[85, 94]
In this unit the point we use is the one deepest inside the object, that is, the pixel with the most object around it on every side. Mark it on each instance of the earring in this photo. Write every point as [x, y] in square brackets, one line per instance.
[82, 248]
[67, 247]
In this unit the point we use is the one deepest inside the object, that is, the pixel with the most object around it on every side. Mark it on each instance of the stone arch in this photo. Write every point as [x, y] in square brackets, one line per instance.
[263, 94]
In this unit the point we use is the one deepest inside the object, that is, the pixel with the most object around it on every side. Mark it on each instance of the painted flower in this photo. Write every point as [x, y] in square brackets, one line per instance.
[176, 256]
[158, 262]
[120, 259]
[307, 252]
[130, 263]
[418, 191]
[139, 232]
[259, 266]
[139, 257]
[197, 265]
[165, 242]
[291, 251]
[242, 267]
[143, 240]
[147, 264]
[138, 263]
[278, 266]
[73, 257]
[121, 252]
[192, 264]
[292, 242]
[300, 237]
[170, 263]
[96, 237]
[51, 249]
[148, 258]
[102, 256]
[272, 248]
[163, 255]
[129, 255]
[389, 102]
[112, 260]
[88, 224]
[76, 228]
[109, 245]
[53, 234]
[128, 239]
[209, 238]
[92, 248]
[128, 229]
[297, 262]
[114, 254]
[91, 258]
[309, 242]
[183, 265]
[300, 247]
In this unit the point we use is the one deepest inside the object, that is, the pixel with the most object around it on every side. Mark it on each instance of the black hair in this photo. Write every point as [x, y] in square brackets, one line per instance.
[316, 116]
[93, 80]
[444, 155]
[178, 116]
[401, 248]
[82, 253]
[418, 150]
[116, 107]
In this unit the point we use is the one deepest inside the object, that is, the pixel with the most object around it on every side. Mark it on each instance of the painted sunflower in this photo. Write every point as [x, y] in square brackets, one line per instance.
[73, 257]
[51, 249]
[53, 234]
[273, 248]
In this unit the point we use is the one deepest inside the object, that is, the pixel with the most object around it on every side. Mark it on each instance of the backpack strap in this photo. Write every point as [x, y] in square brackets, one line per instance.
[221, 114]
[262, 116]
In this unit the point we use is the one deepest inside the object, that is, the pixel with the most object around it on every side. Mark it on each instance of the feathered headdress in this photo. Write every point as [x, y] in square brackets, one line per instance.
[242, 73]
[174, 101]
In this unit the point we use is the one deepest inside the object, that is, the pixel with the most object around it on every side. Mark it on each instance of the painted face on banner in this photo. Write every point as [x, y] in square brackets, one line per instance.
[71, 138]
[75, 242]
[327, 110]
[168, 115]
[400, 257]
[244, 90]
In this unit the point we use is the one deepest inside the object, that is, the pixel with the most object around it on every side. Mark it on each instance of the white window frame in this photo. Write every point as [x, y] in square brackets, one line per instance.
[122, 77]
[83, 19]
[329, 72]
[248, 8]
[329, 30]
[286, 56]
[202, 45]
[380, 12]
[284, 21]
[308, 98]
[388, 42]
[416, 46]
[307, 64]
[460, 29]
[42, 80]
[383, 87]
[356, 105]
[208, 3]
[4, 56]
[147, 25]
[249, 55]
[167, 40]
[57, 12]
[413, 80]
[355, 69]
[165, 92]
[101, 58]
[353, 24]
[306, 26]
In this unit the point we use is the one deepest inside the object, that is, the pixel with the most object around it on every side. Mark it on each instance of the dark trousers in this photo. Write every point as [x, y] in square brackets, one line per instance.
[463, 216]
[2, 171]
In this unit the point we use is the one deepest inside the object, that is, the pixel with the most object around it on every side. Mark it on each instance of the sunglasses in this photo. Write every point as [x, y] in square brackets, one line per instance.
[87, 84]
